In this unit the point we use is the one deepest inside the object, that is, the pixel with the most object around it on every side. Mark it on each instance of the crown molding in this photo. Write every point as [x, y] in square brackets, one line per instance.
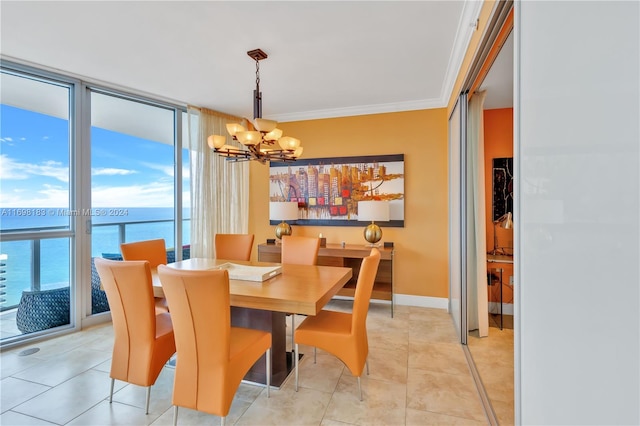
[359, 110]
[466, 27]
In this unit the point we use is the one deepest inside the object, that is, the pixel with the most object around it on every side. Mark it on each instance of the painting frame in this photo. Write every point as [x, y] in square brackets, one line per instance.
[502, 190]
[327, 189]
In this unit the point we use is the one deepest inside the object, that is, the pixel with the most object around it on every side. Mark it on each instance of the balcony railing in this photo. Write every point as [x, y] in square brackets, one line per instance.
[27, 265]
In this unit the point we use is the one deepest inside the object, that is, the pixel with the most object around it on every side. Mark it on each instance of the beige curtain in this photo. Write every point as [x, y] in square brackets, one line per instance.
[219, 188]
[477, 306]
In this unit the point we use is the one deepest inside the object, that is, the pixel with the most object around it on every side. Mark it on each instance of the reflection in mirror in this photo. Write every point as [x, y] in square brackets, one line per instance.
[493, 354]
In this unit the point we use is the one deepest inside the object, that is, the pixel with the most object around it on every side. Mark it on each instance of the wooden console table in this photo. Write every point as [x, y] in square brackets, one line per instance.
[351, 256]
[493, 259]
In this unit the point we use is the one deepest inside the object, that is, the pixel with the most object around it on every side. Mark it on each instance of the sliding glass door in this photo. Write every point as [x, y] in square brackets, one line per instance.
[133, 178]
[132, 173]
[457, 229]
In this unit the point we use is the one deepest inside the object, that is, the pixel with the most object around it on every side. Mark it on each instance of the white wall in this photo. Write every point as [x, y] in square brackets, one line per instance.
[577, 117]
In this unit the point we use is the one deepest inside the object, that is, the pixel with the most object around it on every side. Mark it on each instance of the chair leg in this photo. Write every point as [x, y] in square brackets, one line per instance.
[111, 391]
[293, 328]
[175, 415]
[148, 398]
[360, 388]
[269, 373]
[315, 352]
[295, 354]
[222, 420]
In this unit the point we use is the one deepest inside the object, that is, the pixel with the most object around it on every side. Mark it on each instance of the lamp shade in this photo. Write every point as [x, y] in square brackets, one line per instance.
[263, 125]
[273, 135]
[375, 211]
[289, 143]
[216, 141]
[233, 128]
[249, 137]
[507, 223]
[283, 210]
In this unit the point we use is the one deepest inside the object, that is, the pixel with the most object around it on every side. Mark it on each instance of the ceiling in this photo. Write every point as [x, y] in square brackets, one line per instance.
[326, 58]
[499, 80]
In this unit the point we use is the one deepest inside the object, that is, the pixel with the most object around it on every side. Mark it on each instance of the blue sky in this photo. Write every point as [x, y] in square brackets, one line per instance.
[126, 171]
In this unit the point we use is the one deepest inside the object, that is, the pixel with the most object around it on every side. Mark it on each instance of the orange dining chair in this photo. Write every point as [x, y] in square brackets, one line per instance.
[233, 246]
[154, 252]
[143, 339]
[340, 333]
[299, 251]
[212, 356]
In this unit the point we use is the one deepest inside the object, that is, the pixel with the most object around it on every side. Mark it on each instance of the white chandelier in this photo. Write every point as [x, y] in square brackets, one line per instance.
[259, 141]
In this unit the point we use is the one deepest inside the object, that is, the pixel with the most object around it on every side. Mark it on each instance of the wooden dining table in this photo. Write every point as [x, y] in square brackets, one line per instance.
[263, 305]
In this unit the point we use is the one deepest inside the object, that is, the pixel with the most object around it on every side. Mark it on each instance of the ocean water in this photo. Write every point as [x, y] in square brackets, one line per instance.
[16, 257]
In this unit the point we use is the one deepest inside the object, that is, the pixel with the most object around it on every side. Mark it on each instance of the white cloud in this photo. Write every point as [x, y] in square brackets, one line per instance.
[166, 169]
[156, 194]
[109, 171]
[48, 196]
[12, 169]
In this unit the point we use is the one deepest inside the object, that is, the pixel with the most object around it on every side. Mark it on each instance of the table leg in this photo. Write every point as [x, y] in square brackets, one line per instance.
[273, 322]
[501, 317]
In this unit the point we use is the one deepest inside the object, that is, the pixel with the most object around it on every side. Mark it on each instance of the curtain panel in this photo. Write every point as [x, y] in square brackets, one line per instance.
[477, 306]
[219, 188]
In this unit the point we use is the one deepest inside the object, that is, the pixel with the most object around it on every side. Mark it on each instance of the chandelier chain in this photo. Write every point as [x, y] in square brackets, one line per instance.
[257, 73]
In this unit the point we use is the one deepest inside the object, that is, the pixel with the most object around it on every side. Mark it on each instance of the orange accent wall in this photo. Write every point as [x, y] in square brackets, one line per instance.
[498, 143]
[421, 265]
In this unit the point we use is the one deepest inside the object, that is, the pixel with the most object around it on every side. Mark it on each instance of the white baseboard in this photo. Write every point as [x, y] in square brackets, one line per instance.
[410, 300]
[507, 308]
[433, 302]
[422, 301]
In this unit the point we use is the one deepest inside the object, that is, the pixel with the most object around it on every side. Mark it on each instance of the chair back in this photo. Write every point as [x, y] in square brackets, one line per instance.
[130, 294]
[233, 246]
[364, 288]
[300, 250]
[153, 251]
[43, 309]
[201, 316]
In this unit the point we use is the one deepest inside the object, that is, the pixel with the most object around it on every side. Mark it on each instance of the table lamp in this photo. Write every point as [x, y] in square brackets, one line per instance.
[506, 222]
[283, 210]
[375, 211]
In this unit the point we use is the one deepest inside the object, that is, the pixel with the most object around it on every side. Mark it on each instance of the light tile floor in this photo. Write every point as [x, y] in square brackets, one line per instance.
[493, 357]
[8, 327]
[418, 376]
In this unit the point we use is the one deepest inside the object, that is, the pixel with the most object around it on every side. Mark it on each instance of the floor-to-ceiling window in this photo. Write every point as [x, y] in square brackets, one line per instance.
[37, 217]
[132, 175]
[83, 169]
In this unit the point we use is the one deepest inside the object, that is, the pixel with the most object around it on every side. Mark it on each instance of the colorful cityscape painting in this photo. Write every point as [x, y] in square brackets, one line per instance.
[327, 190]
